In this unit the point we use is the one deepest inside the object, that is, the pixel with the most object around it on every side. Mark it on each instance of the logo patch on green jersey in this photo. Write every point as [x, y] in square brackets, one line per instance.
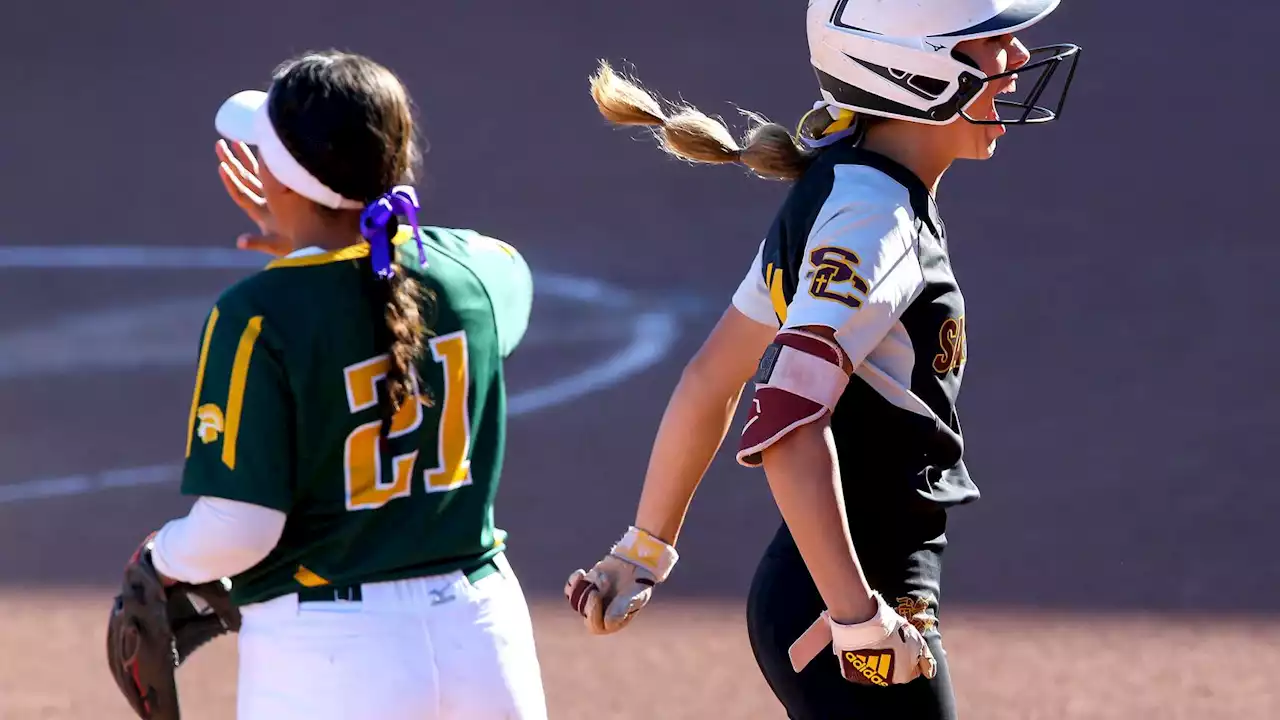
[209, 423]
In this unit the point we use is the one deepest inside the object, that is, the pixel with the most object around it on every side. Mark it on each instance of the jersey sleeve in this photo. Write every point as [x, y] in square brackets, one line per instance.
[861, 269]
[240, 429]
[752, 296]
[506, 277]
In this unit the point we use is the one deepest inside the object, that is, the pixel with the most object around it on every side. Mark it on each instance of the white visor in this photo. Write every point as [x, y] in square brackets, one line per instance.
[244, 118]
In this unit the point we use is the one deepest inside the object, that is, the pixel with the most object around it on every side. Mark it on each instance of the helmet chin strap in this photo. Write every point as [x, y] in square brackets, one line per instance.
[965, 59]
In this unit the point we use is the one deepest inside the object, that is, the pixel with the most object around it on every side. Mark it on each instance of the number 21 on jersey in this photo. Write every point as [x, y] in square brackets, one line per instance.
[362, 462]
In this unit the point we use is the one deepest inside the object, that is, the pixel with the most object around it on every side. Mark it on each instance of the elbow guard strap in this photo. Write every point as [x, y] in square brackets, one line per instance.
[800, 379]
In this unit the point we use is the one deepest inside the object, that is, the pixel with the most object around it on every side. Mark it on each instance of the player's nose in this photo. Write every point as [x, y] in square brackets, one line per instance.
[1018, 55]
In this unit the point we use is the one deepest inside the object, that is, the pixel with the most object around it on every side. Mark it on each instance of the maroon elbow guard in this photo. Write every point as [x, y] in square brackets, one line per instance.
[801, 377]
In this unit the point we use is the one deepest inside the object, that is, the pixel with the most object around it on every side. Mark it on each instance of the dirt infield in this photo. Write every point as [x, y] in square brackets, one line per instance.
[696, 664]
[1119, 399]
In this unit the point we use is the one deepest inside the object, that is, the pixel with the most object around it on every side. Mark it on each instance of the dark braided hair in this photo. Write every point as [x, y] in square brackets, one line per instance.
[349, 121]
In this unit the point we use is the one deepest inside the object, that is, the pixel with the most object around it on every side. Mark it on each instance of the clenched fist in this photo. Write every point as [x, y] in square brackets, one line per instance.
[617, 587]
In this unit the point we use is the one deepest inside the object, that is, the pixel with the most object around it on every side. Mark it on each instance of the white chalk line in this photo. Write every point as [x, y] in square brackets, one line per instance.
[109, 257]
[653, 334]
[115, 257]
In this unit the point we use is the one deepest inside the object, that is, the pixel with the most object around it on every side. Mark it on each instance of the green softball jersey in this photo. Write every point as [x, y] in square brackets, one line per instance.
[285, 412]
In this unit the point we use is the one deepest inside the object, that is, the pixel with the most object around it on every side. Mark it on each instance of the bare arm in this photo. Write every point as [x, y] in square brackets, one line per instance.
[696, 420]
[853, 305]
[804, 478]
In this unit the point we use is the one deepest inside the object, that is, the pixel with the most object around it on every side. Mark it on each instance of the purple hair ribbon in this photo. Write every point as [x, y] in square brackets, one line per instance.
[402, 200]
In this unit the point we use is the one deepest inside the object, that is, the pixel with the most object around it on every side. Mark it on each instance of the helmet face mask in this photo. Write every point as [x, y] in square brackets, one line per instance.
[1044, 63]
[899, 59]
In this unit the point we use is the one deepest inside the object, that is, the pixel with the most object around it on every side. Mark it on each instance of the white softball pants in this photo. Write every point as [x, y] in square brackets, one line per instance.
[433, 648]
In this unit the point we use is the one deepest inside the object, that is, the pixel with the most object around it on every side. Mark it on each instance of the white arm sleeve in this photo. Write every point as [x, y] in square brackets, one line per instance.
[752, 296]
[218, 538]
[861, 271]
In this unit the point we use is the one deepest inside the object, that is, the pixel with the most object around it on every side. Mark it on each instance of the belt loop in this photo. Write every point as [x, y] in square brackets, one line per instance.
[504, 566]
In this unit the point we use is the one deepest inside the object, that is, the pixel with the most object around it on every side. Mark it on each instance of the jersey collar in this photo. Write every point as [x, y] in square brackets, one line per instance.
[307, 256]
[922, 202]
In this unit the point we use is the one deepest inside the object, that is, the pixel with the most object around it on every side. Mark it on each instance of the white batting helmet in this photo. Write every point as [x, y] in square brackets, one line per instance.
[897, 58]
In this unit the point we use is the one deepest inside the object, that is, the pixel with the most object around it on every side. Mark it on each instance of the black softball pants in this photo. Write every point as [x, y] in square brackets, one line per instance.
[902, 559]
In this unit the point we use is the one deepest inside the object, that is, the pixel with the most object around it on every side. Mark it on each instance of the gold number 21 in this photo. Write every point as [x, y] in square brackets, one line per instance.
[361, 460]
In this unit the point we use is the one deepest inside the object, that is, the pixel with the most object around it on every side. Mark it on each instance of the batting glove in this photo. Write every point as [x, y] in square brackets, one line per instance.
[618, 586]
[885, 650]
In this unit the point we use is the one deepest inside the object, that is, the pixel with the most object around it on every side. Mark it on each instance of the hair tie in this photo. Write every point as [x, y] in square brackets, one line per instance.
[402, 200]
[833, 125]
